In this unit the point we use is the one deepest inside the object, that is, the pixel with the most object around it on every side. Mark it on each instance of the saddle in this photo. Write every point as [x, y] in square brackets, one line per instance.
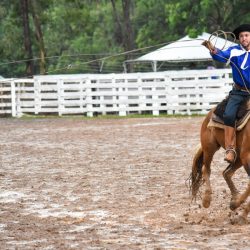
[242, 117]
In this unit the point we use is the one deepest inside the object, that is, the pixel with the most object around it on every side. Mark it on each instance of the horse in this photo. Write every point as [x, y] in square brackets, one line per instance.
[211, 140]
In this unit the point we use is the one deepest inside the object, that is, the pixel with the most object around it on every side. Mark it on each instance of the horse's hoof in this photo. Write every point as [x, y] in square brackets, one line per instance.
[242, 220]
[206, 199]
[234, 205]
[206, 202]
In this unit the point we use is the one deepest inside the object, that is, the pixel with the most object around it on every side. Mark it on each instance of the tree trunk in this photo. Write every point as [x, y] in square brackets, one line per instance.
[128, 34]
[39, 36]
[27, 39]
[124, 31]
[118, 25]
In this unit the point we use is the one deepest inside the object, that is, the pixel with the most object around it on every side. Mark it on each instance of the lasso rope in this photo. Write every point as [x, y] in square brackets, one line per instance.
[216, 34]
[71, 66]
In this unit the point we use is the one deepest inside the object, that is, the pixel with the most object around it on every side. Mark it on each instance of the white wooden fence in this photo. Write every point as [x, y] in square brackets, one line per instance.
[171, 92]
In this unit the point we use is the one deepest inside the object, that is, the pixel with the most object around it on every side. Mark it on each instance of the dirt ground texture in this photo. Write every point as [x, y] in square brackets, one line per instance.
[71, 183]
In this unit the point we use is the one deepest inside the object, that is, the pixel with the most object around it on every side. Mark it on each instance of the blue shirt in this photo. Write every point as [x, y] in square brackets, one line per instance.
[239, 60]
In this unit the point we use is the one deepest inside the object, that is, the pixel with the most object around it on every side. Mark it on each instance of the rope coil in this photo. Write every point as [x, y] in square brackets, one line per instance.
[215, 35]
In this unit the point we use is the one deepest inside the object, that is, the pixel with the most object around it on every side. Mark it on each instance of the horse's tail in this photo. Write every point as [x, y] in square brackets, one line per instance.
[196, 174]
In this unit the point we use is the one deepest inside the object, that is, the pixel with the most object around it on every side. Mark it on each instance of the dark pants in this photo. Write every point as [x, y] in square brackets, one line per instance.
[236, 97]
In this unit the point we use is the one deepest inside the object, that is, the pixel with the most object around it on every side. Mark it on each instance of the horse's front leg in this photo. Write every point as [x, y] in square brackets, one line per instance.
[227, 174]
[243, 217]
[242, 198]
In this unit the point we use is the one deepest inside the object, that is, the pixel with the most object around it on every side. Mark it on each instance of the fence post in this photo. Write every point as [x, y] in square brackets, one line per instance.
[82, 101]
[142, 97]
[155, 102]
[169, 99]
[37, 101]
[60, 96]
[13, 99]
[89, 98]
[18, 92]
[123, 99]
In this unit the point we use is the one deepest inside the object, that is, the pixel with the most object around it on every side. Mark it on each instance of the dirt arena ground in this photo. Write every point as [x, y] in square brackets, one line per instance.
[70, 183]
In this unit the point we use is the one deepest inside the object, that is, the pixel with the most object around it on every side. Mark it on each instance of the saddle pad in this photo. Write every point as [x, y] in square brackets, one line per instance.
[242, 111]
[217, 122]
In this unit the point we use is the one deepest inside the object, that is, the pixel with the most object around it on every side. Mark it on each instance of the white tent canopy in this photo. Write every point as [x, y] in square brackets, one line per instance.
[185, 49]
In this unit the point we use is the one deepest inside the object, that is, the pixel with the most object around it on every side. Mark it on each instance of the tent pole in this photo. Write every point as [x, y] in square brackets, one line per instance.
[125, 67]
[155, 66]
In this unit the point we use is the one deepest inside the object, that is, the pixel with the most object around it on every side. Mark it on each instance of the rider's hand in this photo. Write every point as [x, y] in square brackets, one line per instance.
[209, 46]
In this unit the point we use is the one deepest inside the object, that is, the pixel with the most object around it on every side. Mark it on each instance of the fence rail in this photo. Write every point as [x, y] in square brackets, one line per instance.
[171, 92]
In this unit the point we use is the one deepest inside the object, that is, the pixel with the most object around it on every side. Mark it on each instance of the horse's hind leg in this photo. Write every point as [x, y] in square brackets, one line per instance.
[210, 146]
[206, 171]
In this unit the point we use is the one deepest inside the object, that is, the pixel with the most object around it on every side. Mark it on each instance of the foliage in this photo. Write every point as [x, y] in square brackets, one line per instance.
[81, 35]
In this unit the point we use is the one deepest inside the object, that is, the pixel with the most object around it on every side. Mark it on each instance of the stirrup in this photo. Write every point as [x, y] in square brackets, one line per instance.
[230, 149]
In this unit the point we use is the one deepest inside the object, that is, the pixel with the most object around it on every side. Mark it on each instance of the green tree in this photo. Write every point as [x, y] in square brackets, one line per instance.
[193, 17]
[80, 36]
[150, 23]
[10, 36]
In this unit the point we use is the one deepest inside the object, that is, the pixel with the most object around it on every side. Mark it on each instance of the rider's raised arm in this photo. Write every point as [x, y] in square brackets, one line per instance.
[217, 54]
[221, 55]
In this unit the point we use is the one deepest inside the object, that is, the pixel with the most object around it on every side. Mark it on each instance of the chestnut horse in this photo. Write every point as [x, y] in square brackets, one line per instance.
[211, 140]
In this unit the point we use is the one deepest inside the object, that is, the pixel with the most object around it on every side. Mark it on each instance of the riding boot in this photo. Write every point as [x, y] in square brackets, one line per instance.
[230, 144]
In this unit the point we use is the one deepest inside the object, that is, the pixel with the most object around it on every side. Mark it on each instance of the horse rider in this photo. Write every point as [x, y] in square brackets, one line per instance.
[239, 59]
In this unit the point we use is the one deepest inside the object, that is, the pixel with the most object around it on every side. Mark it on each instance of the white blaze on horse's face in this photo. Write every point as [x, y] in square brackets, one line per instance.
[244, 38]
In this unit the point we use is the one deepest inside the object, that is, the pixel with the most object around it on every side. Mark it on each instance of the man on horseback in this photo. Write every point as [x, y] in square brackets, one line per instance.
[239, 59]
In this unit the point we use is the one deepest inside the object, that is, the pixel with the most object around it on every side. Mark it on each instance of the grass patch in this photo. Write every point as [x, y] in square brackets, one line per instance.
[82, 117]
